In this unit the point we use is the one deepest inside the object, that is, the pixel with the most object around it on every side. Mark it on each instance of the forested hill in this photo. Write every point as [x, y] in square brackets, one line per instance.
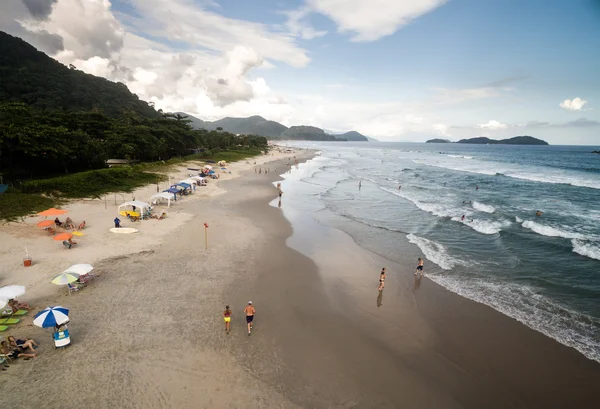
[30, 76]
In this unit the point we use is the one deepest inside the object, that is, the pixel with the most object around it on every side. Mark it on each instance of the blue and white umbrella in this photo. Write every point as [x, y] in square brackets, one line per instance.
[51, 317]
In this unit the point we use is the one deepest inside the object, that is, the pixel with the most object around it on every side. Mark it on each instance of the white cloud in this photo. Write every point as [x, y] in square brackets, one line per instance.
[297, 25]
[575, 104]
[373, 19]
[493, 125]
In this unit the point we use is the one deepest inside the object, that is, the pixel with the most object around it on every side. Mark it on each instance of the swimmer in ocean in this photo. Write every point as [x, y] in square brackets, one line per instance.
[462, 218]
[539, 213]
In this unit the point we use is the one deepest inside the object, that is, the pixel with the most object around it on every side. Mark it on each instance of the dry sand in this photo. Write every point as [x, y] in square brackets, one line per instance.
[148, 332]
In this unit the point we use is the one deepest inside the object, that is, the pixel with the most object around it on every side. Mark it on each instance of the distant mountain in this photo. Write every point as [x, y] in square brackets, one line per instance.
[438, 140]
[257, 125]
[516, 140]
[352, 136]
[307, 133]
[30, 76]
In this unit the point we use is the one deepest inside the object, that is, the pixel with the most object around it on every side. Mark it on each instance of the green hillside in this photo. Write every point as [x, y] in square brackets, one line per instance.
[30, 76]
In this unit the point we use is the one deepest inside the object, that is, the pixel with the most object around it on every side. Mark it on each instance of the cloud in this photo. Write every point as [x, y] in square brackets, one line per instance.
[454, 96]
[297, 25]
[580, 123]
[575, 104]
[39, 9]
[374, 19]
[493, 125]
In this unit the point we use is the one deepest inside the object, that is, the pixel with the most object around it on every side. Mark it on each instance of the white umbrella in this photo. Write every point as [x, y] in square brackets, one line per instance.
[80, 269]
[12, 291]
[3, 302]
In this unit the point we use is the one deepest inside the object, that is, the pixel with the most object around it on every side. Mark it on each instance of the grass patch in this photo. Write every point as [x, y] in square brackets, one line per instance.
[14, 204]
[93, 183]
[41, 194]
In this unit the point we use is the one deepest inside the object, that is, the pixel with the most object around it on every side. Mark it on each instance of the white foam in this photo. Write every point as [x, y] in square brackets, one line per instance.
[518, 219]
[482, 207]
[528, 306]
[435, 252]
[524, 172]
[437, 209]
[550, 231]
[586, 248]
[484, 226]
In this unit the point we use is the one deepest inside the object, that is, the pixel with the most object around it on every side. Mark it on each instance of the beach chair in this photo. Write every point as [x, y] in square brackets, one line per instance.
[3, 328]
[9, 321]
[67, 244]
[61, 338]
[4, 359]
[75, 286]
[9, 313]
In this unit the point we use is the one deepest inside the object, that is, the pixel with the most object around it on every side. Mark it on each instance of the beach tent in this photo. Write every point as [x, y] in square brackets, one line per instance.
[185, 185]
[196, 178]
[143, 206]
[162, 196]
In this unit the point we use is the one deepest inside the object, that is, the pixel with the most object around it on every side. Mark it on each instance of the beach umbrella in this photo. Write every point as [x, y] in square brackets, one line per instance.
[12, 291]
[3, 302]
[79, 269]
[62, 236]
[45, 223]
[65, 278]
[51, 317]
[52, 212]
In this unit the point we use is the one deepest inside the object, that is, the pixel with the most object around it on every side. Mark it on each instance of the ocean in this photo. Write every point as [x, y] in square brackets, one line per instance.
[543, 271]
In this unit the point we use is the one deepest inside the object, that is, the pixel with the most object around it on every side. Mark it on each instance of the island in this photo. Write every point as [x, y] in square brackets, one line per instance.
[516, 140]
[482, 140]
[438, 140]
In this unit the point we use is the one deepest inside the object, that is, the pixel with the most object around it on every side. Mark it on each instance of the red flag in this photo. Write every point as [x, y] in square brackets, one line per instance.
[206, 225]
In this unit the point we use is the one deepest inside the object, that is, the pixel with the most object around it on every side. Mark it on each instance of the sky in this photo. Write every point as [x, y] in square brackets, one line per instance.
[396, 70]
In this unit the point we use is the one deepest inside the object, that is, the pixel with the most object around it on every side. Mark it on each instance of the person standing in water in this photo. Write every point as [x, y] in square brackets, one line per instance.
[227, 318]
[249, 311]
[419, 269]
[382, 279]
[359, 184]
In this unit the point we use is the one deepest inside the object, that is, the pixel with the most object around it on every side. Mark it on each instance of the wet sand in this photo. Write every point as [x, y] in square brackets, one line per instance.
[149, 334]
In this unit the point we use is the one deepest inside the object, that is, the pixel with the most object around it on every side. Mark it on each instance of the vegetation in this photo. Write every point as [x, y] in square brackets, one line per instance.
[352, 136]
[58, 121]
[516, 140]
[309, 133]
[438, 140]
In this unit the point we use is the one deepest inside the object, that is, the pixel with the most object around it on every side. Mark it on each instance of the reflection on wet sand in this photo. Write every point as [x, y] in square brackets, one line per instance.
[380, 298]
[417, 283]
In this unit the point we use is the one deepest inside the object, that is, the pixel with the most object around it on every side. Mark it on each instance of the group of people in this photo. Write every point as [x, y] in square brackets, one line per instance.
[15, 348]
[249, 312]
[418, 273]
[68, 224]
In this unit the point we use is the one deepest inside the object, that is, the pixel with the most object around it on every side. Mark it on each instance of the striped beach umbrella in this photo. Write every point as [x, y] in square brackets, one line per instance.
[51, 317]
[65, 278]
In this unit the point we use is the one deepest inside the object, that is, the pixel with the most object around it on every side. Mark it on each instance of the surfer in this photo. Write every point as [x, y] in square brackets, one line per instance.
[462, 218]
[382, 279]
[399, 187]
[419, 269]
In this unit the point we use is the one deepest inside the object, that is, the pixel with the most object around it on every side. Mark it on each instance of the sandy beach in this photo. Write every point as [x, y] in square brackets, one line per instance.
[148, 332]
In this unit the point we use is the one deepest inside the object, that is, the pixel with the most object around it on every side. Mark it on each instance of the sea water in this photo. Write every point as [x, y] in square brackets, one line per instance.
[541, 270]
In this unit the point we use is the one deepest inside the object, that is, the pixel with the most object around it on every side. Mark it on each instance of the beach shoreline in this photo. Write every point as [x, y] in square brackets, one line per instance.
[149, 333]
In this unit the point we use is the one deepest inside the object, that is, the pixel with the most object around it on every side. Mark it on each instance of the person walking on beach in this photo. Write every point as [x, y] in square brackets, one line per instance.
[249, 311]
[382, 279]
[419, 269]
[117, 222]
[359, 184]
[227, 318]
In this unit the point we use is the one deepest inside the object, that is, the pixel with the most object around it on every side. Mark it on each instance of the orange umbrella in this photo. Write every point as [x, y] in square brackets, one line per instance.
[62, 236]
[52, 212]
[45, 223]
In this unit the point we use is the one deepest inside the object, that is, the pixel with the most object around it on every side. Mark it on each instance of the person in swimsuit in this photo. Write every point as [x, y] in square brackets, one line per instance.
[419, 269]
[227, 318]
[382, 279]
[249, 311]
[22, 344]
